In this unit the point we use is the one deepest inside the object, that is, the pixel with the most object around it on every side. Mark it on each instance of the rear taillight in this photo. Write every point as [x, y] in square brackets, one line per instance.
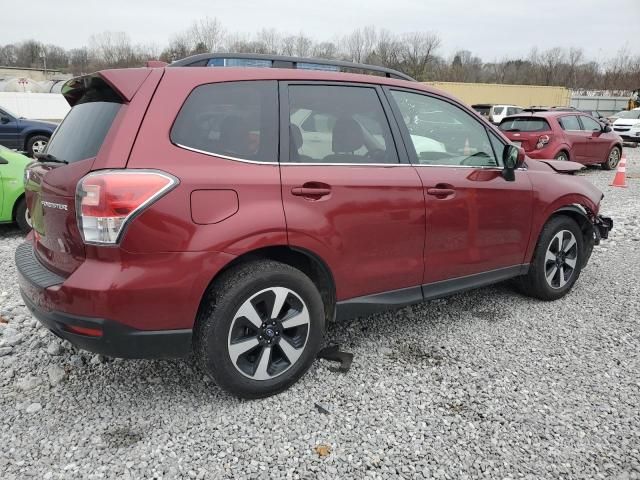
[542, 141]
[107, 200]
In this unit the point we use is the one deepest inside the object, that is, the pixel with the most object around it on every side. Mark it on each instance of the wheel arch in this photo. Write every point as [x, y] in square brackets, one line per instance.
[32, 133]
[302, 259]
[583, 217]
[14, 208]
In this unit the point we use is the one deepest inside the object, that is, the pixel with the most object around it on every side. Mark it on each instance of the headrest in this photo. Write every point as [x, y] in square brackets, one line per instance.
[296, 136]
[347, 135]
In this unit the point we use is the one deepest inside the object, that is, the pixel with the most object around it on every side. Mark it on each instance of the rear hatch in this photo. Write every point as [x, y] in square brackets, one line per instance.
[531, 133]
[51, 181]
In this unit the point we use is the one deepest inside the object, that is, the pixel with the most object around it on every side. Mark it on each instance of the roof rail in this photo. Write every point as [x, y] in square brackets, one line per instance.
[280, 61]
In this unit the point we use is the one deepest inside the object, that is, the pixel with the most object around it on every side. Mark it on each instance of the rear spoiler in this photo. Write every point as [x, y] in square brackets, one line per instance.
[114, 85]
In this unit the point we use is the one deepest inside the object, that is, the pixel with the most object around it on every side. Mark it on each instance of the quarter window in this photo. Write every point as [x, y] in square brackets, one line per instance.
[570, 122]
[443, 134]
[236, 119]
[336, 124]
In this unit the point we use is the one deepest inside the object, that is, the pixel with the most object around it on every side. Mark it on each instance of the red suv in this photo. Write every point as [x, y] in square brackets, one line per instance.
[564, 135]
[234, 212]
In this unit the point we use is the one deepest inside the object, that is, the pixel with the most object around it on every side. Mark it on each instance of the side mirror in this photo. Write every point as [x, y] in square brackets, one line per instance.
[606, 128]
[4, 119]
[512, 158]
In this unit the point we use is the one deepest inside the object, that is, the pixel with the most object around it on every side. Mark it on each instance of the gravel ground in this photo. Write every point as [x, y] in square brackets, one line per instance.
[487, 384]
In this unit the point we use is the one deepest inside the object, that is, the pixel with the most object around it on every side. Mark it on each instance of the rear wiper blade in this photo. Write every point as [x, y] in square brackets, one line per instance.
[47, 157]
[513, 130]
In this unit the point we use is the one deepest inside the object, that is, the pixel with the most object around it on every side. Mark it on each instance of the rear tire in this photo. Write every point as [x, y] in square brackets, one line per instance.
[562, 156]
[259, 329]
[37, 144]
[612, 160]
[22, 216]
[557, 260]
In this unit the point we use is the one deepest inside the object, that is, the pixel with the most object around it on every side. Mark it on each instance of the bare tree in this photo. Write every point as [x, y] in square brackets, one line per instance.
[360, 43]
[206, 32]
[418, 49]
[270, 39]
[550, 61]
[387, 50]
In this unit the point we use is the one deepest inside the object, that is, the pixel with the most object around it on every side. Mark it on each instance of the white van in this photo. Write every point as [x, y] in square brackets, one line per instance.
[498, 112]
[49, 107]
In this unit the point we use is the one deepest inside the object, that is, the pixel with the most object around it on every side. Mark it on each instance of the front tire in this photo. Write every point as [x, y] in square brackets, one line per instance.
[37, 144]
[612, 160]
[259, 329]
[22, 217]
[557, 260]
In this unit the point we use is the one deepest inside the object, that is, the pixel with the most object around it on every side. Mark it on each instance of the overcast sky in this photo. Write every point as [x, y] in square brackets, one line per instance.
[492, 29]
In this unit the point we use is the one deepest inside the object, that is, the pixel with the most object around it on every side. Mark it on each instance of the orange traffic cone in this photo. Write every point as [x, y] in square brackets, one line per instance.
[620, 180]
[466, 150]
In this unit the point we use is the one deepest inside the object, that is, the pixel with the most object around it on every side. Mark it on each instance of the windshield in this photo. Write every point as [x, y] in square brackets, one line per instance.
[9, 112]
[629, 114]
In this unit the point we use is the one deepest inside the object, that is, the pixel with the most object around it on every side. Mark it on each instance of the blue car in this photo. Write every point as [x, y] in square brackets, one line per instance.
[18, 133]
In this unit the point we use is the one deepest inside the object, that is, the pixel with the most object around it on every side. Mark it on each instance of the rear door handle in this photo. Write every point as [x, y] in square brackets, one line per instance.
[441, 192]
[310, 192]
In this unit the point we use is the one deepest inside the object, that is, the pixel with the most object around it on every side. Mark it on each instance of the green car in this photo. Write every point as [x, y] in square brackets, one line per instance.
[13, 207]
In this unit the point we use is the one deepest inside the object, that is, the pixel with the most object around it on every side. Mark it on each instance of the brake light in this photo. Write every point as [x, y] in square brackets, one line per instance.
[542, 141]
[107, 200]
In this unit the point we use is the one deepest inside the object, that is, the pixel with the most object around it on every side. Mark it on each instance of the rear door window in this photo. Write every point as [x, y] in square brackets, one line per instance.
[338, 124]
[570, 122]
[524, 124]
[83, 130]
[497, 110]
[237, 120]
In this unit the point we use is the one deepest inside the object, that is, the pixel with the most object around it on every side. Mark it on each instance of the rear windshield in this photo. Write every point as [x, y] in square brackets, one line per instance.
[524, 124]
[83, 130]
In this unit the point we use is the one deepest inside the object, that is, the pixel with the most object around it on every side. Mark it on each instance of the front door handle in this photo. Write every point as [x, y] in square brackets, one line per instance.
[311, 192]
[441, 192]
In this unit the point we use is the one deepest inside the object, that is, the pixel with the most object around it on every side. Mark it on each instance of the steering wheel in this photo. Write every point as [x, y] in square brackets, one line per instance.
[470, 160]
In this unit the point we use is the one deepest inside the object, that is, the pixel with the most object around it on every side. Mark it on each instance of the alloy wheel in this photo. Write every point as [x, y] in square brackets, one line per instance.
[561, 259]
[562, 157]
[268, 333]
[614, 158]
[38, 146]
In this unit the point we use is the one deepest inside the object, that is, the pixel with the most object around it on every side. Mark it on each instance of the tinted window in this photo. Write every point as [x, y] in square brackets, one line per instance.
[569, 123]
[451, 136]
[497, 110]
[237, 120]
[82, 132]
[590, 124]
[335, 124]
[524, 124]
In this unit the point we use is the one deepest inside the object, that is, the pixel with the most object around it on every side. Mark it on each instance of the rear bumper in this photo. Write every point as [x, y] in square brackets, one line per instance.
[140, 305]
[115, 339]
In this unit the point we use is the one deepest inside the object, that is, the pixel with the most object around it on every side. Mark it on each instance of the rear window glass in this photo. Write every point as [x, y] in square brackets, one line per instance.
[235, 119]
[524, 124]
[83, 130]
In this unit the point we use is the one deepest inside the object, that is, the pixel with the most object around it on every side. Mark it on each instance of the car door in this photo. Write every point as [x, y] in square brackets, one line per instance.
[576, 136]
[8, 130]
[597, 144]
[349, 196]
[477, 222]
